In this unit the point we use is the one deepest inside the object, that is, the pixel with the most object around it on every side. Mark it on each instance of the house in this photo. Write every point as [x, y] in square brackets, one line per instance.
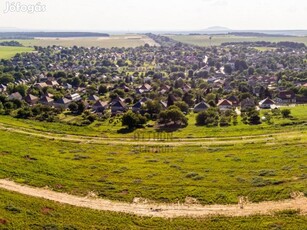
[52, 83]
[100, 106]
[45, 100]
[144, 88]
[234, 100]
[138, 106]
[163, 105]
[31, 99]
[286, 97]
[40, 85]
[202, 106]
[15, 96]
[62, 103]
[266, 103]
[67, 86]
[2, 88]
[49, 95]
[301, 100]
[118, 107]
[225, 104]
[247, 103]
[93, 98]
[74, 97]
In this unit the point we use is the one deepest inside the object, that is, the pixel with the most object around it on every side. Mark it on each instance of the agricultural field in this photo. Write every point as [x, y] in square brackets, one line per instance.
[103, 42]
[6, 52]
[204, 40]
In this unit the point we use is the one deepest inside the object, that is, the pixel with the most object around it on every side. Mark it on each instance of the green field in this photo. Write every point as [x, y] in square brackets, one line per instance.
[260, 162]
[104, 42]
[7, 52]
[203, 40]
[27, 213]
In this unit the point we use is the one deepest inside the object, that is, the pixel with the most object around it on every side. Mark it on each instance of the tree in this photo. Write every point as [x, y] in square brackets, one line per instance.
[253, 117]
[132, 120]
[182, 106]
[6, 78]
[153, 107]
[73, 107]
[173, 117]
[209, 117]
[228, 69]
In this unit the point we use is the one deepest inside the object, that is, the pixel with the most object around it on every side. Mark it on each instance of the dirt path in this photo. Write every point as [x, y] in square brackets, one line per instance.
[271, 139]
[159, 210]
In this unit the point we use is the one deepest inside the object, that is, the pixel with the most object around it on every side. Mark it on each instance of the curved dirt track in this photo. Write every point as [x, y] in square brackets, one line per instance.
[159, 210]
[270, 138]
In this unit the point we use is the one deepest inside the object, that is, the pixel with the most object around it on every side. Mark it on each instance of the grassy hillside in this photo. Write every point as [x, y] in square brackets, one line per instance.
[267, 166]
[203, 40]
[7, 52]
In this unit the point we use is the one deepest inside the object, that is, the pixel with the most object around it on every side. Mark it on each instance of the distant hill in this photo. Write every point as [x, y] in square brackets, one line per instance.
[25, 35]
[217, 28]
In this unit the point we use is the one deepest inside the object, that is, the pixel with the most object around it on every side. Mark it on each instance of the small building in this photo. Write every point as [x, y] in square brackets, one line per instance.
[31, 99]
[118, 107]
[202, 106]
[266, 103]
[74, 97]
[40, 85]
[45, 100]
[93, 98]
[234, 100]
[52, 83]
[100, 106]
[67, 86]
[247, 103]
[286, 97]
[15, 96]
[62, 103]
[137, 106]
[225, 104]
[2, 88]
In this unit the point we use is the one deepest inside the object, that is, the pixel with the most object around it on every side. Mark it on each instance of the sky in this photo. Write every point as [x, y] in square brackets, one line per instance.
[153, 15]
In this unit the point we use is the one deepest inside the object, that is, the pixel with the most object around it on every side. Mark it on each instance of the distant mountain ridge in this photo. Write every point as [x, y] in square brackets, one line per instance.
[217, 28]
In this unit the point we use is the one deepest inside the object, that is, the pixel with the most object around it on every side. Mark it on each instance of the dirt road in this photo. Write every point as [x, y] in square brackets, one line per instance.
[159, 210]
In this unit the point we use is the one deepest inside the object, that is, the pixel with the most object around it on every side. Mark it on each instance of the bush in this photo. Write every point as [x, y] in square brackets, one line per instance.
[285, 113]
[132, 120]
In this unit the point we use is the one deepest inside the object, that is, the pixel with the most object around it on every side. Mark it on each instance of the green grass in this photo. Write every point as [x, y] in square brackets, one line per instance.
[203, 40]
[110, 127]
[23, 212]
[268, 168]
[6, 52]
[104, 42]
[265, 162]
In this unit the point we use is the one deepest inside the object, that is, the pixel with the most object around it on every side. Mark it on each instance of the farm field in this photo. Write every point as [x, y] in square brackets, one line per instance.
[7, 52]
[203, 40]
[103, 42]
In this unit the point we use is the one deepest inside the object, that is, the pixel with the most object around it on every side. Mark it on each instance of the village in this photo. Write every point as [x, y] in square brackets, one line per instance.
[150, 79]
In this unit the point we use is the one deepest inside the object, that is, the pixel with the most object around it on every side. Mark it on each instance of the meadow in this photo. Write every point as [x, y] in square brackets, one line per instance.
[6, 52]
[204, 40]
[129, 40]
[264, 163]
